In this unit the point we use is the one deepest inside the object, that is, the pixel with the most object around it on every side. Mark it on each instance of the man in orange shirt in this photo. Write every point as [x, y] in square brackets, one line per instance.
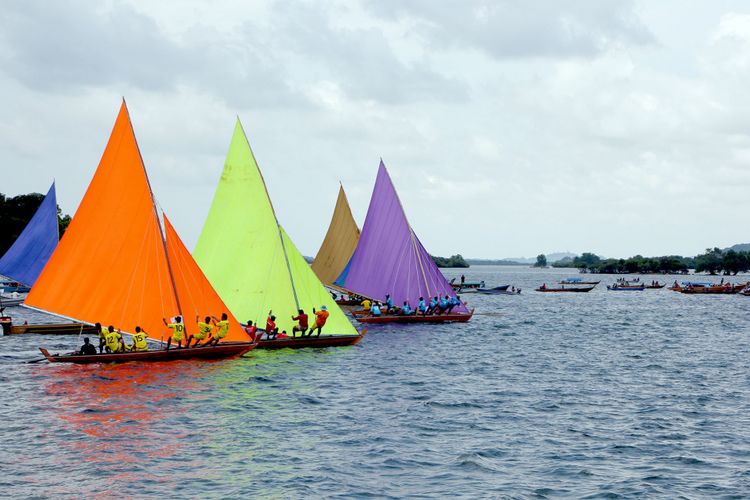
[320, 320]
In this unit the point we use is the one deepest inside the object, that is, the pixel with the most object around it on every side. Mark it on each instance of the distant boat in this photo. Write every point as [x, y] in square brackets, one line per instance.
[390, 259]
[14, 287]
[563, 289]
[623, 288]
[25, 259]
[121, 262]
[655, 286]
[578, 281]
[499, 290]
[466, 285]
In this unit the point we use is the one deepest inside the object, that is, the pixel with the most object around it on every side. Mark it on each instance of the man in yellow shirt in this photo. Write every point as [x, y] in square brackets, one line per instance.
[222, 328]
[366, 304]
[139, 341]
[102, 336]
[204, 331]
[114, 341]
[178, 331]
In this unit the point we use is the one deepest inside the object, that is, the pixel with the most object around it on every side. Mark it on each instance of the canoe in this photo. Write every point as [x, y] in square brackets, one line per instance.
[499, 290]
[654, 287]
[349, 302]
[223, 350]
[625, 288]
[460, 317]
[579, 282]
[313, 342]
[713, 290]
[579, 289]
[47, 329]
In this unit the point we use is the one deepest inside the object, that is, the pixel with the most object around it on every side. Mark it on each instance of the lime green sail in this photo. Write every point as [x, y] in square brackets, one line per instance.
[248, 257]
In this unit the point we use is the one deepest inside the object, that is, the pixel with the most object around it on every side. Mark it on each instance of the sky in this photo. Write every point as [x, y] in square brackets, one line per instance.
[510, 128]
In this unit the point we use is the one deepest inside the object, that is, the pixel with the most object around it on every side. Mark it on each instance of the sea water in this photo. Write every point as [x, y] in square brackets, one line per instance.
[595, 394]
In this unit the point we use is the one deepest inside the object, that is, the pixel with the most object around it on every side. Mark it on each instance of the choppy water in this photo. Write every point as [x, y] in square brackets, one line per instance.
[600, 394]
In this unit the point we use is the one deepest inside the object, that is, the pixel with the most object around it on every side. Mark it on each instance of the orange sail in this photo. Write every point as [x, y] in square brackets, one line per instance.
[197, 296]
[112, 265]
[339, 244]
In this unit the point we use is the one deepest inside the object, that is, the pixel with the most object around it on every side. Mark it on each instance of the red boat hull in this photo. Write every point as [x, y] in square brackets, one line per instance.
[417, 318]
[223, 350]
[579, 290]
[312, 342]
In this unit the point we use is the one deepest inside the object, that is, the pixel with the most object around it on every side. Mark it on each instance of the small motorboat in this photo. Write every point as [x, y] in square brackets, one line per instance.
[579, 289]
[625, 288]
[499, 290]
[222, 350]
[466, 285]
[655, 286]
[578, 281]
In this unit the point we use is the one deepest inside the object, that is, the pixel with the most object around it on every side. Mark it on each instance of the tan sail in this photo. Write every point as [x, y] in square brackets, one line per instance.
[339, 243]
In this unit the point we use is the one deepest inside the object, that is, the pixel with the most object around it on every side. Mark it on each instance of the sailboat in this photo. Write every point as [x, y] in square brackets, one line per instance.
[337, 247]
[390, 260]
[121, 263]
[26, 258]
[253, 264]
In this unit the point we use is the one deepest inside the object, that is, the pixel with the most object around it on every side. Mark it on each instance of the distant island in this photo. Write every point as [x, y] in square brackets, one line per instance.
[728, 261]
[452, 261]
[17, 211]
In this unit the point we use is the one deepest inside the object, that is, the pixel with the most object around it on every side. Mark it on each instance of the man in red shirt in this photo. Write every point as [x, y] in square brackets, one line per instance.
[271, 329]
[251, 330]
[302, 325]
[320, 320]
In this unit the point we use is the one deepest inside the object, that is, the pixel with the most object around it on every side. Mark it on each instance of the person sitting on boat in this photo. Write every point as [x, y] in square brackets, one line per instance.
[222, 328]
[114, 341]
[251, 330]
[272, 331]
[320, 320]
[139, 340]
[87, 349]
[302, 325]
[283, 335]
[543, 287]
[433, 305]
[454, 301]
[102, 336]
[204, 331]
[389, 303]
[366, 304]
[406, 309]
[177, 331]
[443, 304]
[375, 309]
[422, 306]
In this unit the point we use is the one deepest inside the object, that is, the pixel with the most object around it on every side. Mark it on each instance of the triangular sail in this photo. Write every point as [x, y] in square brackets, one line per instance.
[112, 266]
[339, 243]
[26, 258]
[248, 257]
[197, 296]
[389, 258]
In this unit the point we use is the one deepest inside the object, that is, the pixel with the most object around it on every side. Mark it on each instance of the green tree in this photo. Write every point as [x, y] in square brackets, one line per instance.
[710, 262]
[541, 260]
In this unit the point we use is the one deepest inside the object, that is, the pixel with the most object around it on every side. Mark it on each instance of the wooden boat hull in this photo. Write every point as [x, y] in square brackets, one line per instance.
[573, 290]
[709, 290]
[50, 329]
[573, 283]
[223, 350]
[626, 288]
[417, 318]
[348, 302]
[312, 342]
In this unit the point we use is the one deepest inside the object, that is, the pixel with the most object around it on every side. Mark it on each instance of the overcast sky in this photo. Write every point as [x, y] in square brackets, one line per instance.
[510, 128]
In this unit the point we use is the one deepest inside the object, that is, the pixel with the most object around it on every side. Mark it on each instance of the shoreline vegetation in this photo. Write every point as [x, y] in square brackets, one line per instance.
[17, 211]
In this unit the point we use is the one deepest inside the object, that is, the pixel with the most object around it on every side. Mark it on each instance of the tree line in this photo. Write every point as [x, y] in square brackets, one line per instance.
[452, 261]
[712, 261]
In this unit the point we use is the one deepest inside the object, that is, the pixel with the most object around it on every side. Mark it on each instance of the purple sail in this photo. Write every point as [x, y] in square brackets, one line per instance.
[389, 258]
[25, 259]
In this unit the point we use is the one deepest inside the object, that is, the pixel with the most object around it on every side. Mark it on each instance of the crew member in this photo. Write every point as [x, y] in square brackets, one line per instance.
[320, 320]
[302, 324]
[114, 342]
[102, 336]
[251, 330]
[222, 328]
[204, 331]
[139, 340]
[178, 332]
[366, 304]
[271, 330]
[87, 349]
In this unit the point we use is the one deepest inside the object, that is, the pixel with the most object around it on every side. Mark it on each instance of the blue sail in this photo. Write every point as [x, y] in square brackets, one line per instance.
[24, 261]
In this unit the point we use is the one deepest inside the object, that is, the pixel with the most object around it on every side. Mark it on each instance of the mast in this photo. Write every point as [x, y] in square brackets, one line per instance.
[273, 210]
[156, 214]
